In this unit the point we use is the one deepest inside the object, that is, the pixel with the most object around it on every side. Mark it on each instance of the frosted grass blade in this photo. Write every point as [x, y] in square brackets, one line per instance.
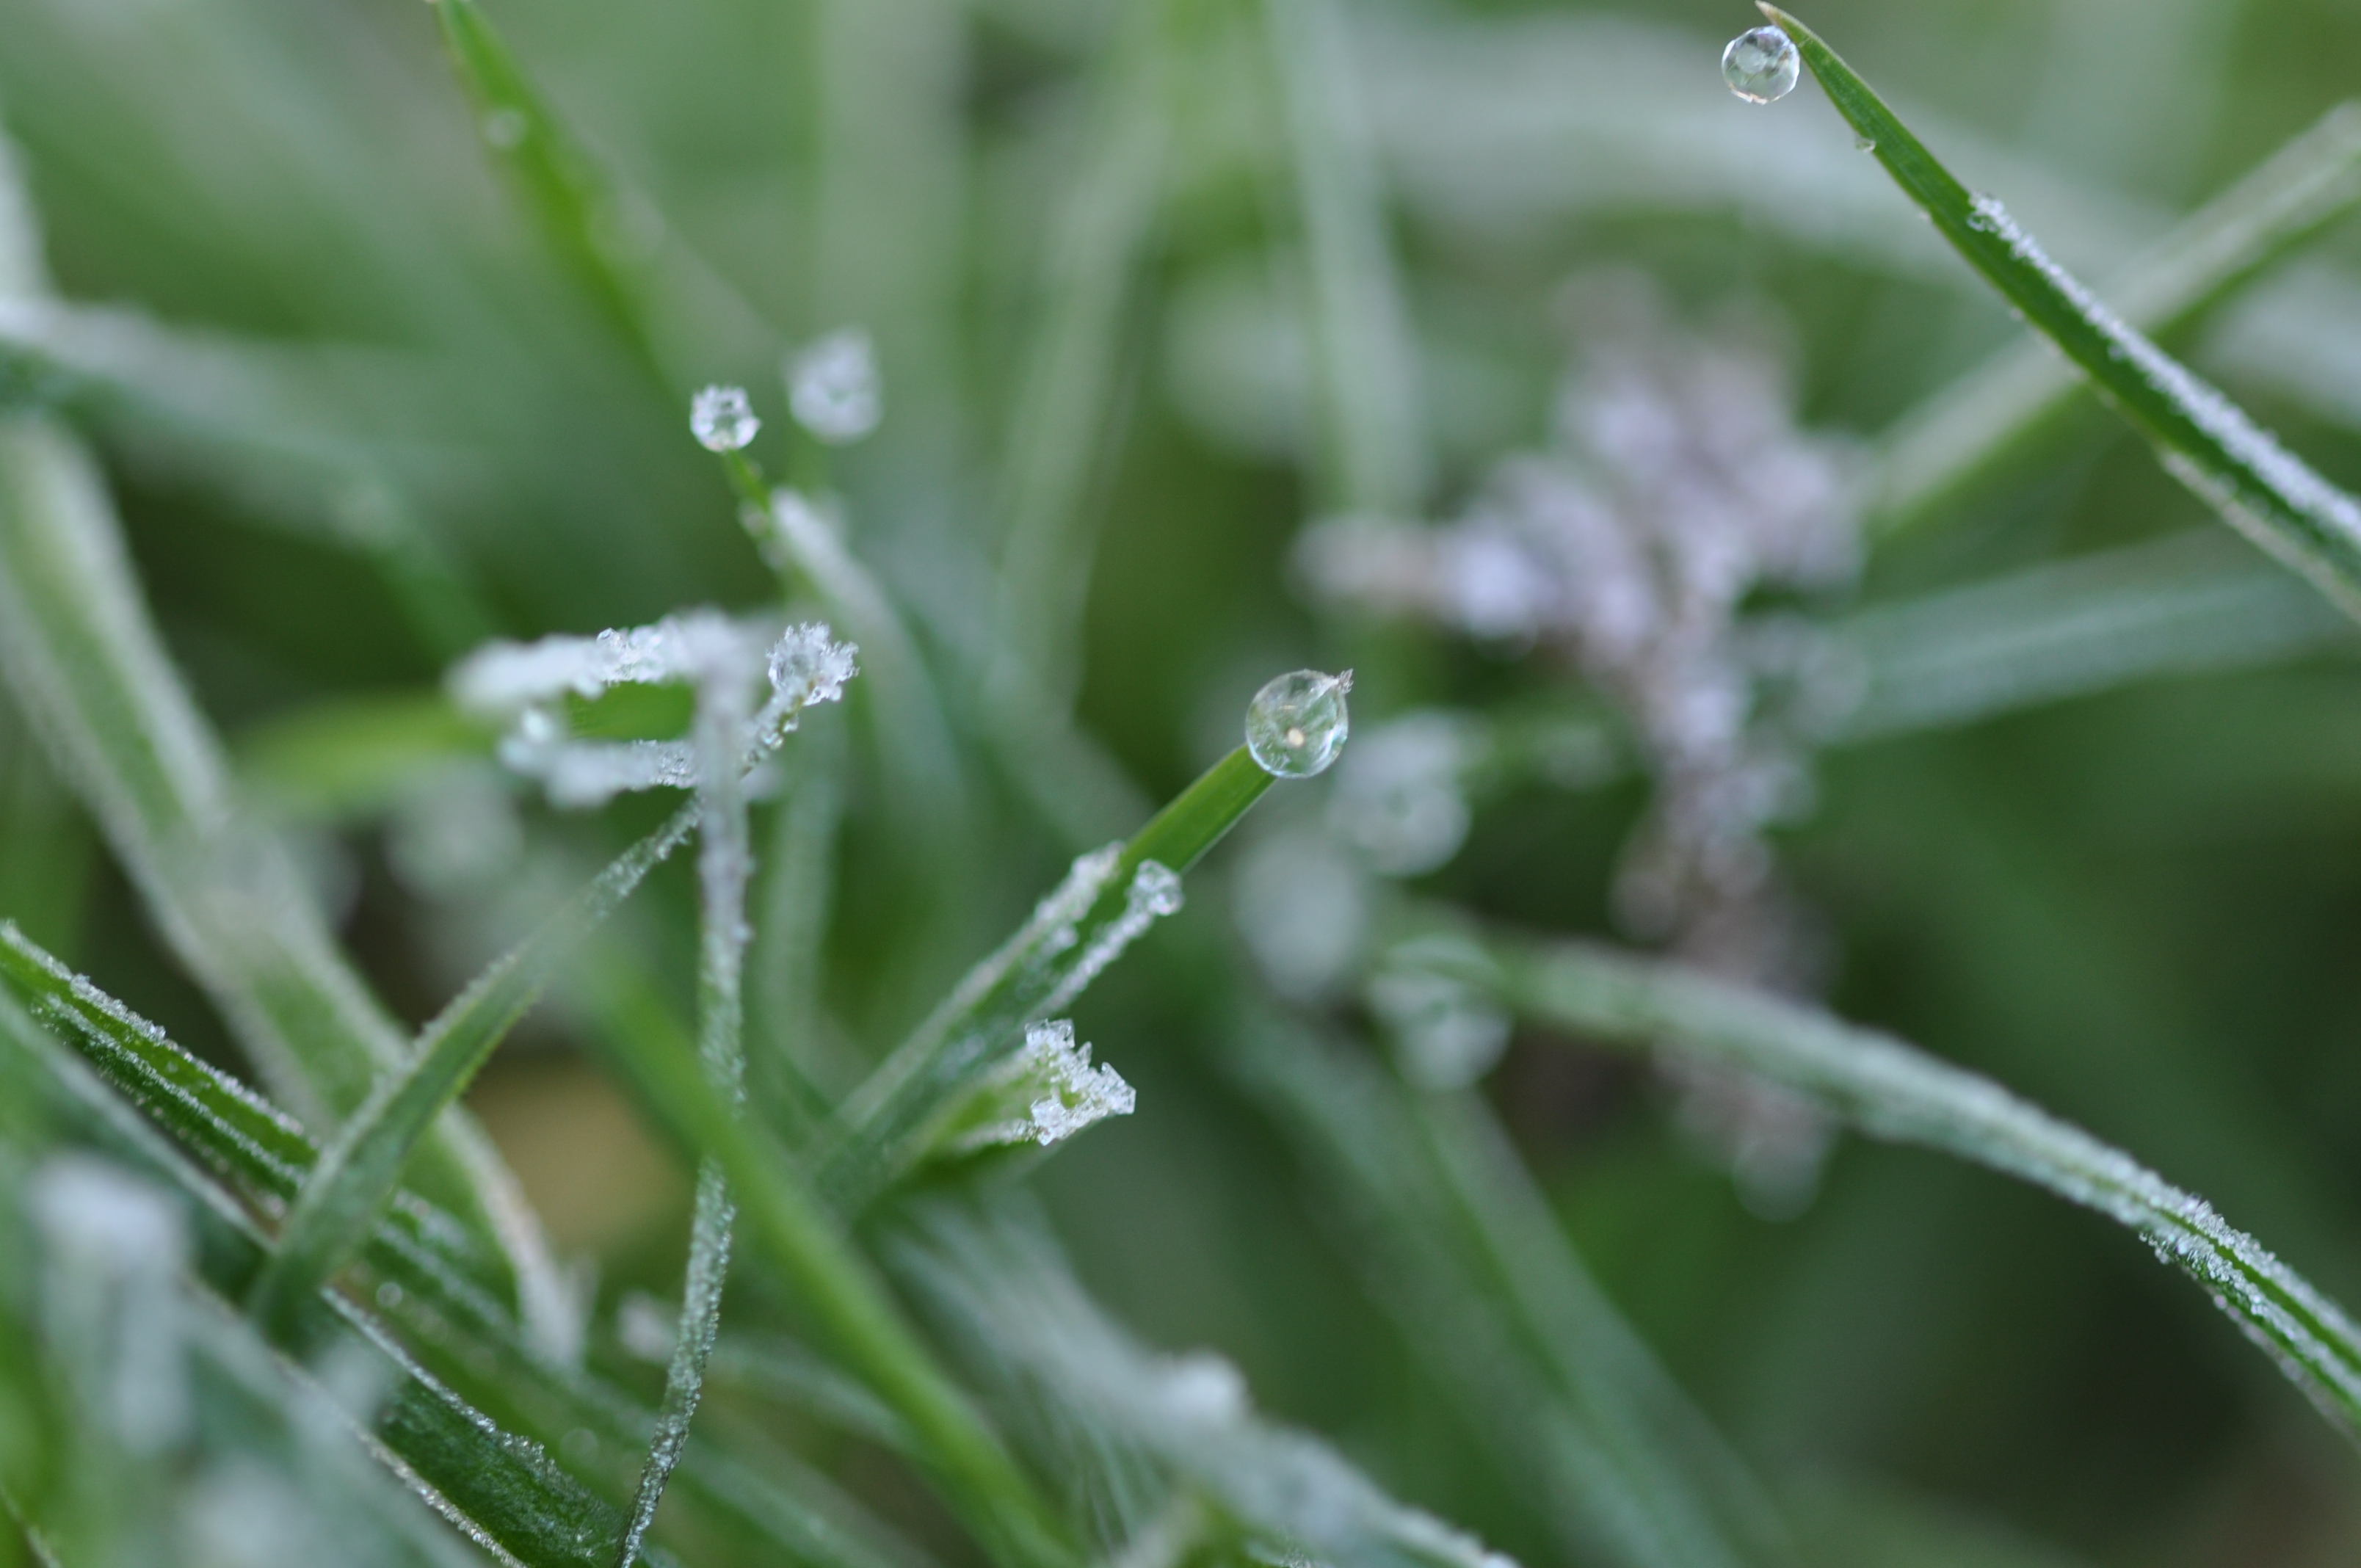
[359, 1168]
[2203, 439]
[888, 1123]
[1066, 407]
[1002, 1282]
[855, 1317]
[459, 1325]
[1892, 1091]
[2185, 605]
[1464, 1253]
[1373, 455]
[1937, 450]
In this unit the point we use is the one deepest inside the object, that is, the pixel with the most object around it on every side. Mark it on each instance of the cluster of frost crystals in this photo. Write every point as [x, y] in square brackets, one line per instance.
[1677, 490]
[726, 661]
[1155, 891]
[116, 1247]
[1066, 1092]
[833, 387]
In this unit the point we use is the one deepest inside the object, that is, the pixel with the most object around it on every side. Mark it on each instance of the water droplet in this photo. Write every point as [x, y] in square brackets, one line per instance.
[1297, 724]
[1761, 65]
[722, 419]
[1863, 144]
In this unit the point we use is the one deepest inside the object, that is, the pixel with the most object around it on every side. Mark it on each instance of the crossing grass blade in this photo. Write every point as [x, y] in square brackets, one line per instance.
[358, 1170]
[1894, 1091]
[2201, 438]
[888, 1121]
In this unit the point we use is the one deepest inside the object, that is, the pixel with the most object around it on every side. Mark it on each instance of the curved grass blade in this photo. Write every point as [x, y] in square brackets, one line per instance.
[887, 1123]
[850, 1306]
[459, 1324]
[1003, 1281]
[89, 667]
[1892, 1091]
[1937, 450]
[1462, 1250]
[2191, 603]
[2203, 439]
[361, 1165]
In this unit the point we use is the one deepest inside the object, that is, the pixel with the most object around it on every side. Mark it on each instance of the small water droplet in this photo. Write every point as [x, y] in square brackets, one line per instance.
[722, 419]
[1761, 65]
[1863, 144]
[1297, 724]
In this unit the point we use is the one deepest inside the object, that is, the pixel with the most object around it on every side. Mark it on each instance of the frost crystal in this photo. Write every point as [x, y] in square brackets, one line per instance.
[1070, 1093]
[524, 685]
[1398, 797]
[1155, 891]
[722, 419]
[833, 387]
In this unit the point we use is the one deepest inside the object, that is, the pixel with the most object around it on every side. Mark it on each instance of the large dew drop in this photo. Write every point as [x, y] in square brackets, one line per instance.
[722, 419]
[1761, 65]
[1296, 725]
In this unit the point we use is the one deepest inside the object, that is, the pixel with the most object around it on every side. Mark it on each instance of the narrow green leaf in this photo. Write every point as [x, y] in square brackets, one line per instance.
[856, 1317]
[2203, 439]
[417, 1259]
[358, 1171]
[1936, 451]
[888, 1124]
[1892, 1091]
[352, 757]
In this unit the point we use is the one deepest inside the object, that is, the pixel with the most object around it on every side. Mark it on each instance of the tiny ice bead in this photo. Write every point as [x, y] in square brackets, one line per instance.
[1297, 724]
[1761, 65]
[722, 419]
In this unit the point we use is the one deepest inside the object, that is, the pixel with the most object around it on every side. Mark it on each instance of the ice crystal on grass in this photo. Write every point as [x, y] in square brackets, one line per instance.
[833, 387]
[1060, 1092]
[524, 685]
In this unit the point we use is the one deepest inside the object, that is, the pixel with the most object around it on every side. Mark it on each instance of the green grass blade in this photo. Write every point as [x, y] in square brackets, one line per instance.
[855, 1316]
[889, 1121]
[1372, 455]
[358, 1170]
[1067, 400]
[2203, 439]
[2185, 605]
[1461, 1249]
[1936, 451]
[1002, 1279]
[1892, 1091]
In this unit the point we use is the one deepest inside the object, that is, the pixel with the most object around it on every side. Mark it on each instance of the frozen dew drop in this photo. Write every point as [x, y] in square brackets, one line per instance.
[722, 419]
[1297, 724]
[833, 387]
[1761, 65]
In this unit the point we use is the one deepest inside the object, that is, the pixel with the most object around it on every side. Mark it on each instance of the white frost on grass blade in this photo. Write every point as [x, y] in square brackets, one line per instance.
[524, 687]
[1155, 891]
[1066, 1092]
[2290, 479]
[116, 1247]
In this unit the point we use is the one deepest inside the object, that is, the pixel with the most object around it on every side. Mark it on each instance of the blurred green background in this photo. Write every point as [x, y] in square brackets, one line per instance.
[361, 419]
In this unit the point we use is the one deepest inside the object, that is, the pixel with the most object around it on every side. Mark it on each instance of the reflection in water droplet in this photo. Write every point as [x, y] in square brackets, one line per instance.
[722, 419]
[1297, 724]
[1761, 65]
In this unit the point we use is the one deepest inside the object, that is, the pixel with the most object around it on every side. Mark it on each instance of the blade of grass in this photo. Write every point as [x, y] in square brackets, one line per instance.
[1938, 450]
[2180, 606]
[359, 1168]
[886, 1126]
[853, 1312]
[461, 1327]
[2203, 439]
[1892, 1091]
[1491, 1297]
[1003, 1283]
[1373, 455]
[1064, 414]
